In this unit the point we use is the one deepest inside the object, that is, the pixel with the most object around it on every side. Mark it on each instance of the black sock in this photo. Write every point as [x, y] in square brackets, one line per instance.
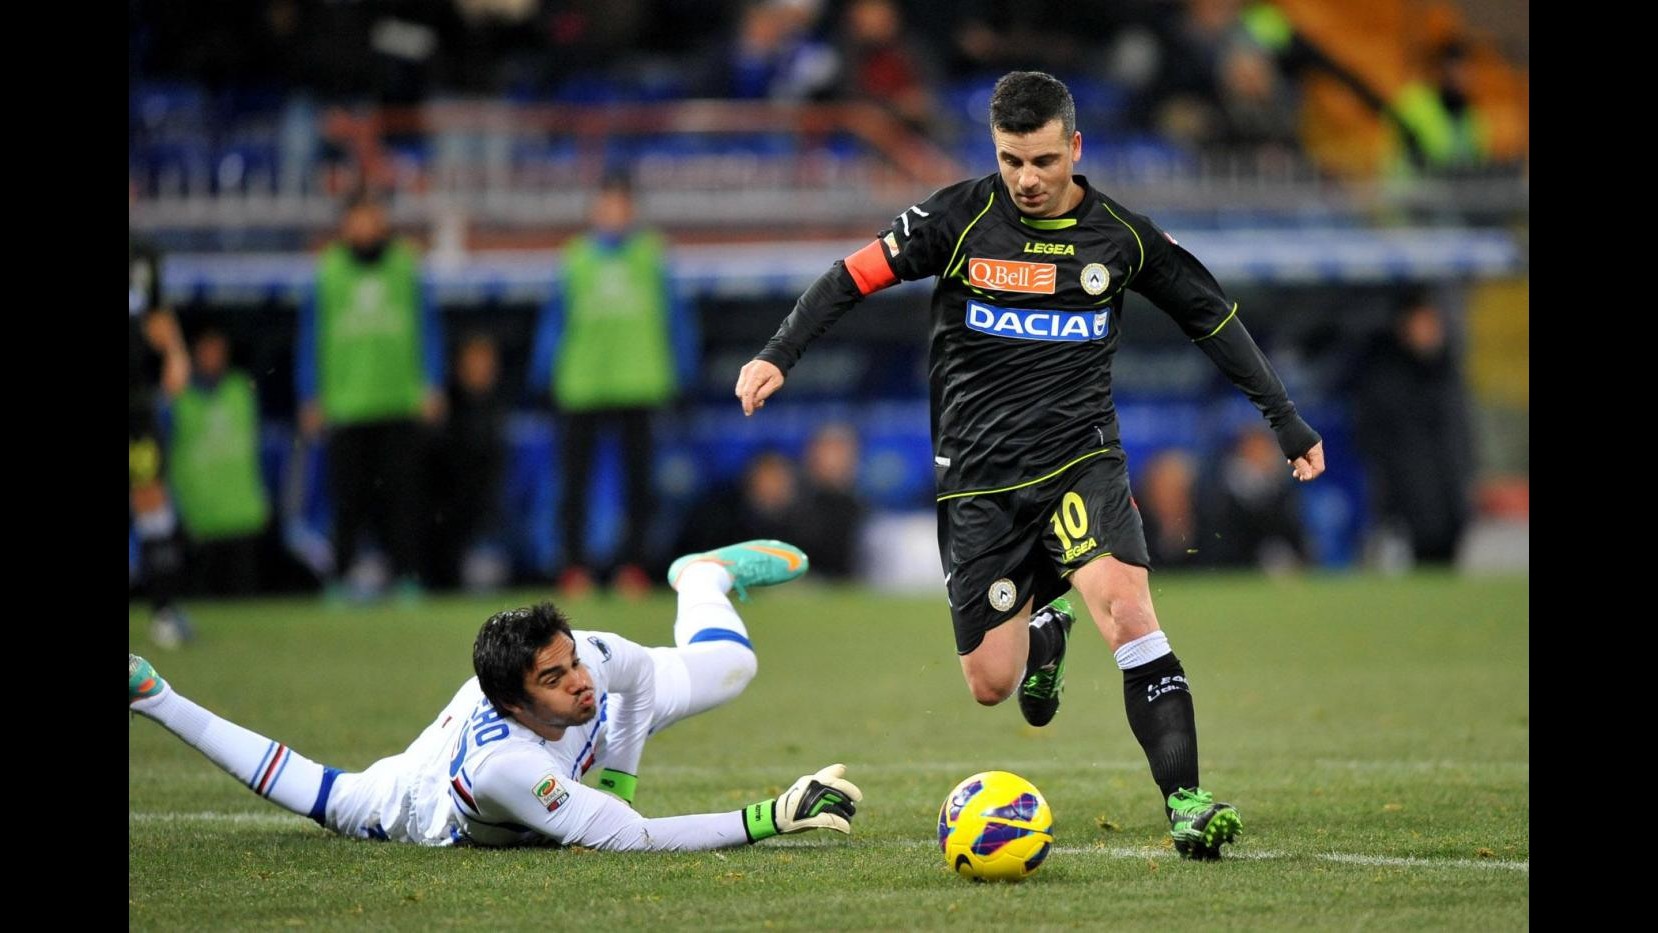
[162, 561]
[1159, 705]
[1045, 642]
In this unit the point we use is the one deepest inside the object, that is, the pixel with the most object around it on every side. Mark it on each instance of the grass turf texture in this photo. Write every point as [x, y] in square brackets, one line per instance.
[1374, 734]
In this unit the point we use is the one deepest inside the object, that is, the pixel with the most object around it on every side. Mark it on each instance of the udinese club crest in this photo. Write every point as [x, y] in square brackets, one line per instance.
[1096, 278]
[1003, 594]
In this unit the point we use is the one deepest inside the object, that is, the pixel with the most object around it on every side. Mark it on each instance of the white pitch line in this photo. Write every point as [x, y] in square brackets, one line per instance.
[930, 767]
[280, 820]
[1130, 765]
[1507, 767]
[1344, 858]
[1134, 765]
[240, 819]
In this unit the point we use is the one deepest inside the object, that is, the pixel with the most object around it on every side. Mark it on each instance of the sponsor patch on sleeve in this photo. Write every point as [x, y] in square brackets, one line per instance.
[550, 794]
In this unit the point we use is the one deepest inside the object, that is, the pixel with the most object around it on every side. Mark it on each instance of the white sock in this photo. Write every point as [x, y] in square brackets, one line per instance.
[699, 573]
[269, 768]
[705, 612]
[1143, 650]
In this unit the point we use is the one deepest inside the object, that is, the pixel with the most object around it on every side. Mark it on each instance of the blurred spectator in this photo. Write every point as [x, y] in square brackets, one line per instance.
[1168, 509]
[998, 35]
[613, 347]
[498, 45]
[214, 450]
[766, 505]
[833, 509]
[157, 365]
[1446, 131]
[776, 54]
[879, 64]
[1413, 428]
[1296, 56]
[369, 361]
[471, 469]
[1257, 109]
[1218, 87]
[1251, 514]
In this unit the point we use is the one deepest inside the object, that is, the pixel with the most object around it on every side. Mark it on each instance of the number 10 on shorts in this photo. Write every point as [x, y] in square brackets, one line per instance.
[1070, 522]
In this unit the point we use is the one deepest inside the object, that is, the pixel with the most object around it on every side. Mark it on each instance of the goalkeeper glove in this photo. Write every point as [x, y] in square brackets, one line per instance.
[825, 800]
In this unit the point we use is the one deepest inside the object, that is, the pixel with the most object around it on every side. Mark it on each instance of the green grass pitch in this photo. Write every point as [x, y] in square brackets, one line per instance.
[1373, 733]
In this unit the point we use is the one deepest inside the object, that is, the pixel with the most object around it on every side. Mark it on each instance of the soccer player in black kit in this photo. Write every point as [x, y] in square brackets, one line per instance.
[1033, 266]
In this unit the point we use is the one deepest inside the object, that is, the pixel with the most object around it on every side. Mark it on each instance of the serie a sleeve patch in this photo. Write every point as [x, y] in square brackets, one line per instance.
[549, 793]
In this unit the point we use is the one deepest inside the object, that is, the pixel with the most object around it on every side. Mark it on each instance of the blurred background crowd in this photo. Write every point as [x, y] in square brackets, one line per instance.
[436, 293]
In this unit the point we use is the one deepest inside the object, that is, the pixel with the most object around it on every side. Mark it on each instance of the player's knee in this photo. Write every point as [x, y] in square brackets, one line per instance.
[742, 670]
[988, 692]
[1133, 617]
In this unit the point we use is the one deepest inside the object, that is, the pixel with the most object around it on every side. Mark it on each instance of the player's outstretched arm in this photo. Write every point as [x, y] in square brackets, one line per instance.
[520, 790]
[1179, 284]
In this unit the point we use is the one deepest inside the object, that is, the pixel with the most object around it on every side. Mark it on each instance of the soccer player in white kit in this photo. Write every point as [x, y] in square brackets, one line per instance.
[502, 764]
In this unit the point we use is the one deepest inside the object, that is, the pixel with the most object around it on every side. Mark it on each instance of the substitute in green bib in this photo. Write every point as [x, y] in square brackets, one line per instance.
[369, 361]
[213, 446]
[614, 345]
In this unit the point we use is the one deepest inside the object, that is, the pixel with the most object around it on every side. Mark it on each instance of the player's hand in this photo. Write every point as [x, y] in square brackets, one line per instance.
[161, 332]
[825, 800]
[1309, 465]
[756, 383]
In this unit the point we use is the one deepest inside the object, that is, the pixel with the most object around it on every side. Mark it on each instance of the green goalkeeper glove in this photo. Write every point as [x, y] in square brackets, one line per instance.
[825, 800]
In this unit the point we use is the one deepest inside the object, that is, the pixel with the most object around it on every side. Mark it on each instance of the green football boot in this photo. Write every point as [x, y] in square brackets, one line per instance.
[763, 562]
[142, 680]
[1199, 825]
[1039, 694]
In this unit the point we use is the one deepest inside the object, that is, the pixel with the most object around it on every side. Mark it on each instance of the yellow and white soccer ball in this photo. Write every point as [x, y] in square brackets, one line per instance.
[995, 826]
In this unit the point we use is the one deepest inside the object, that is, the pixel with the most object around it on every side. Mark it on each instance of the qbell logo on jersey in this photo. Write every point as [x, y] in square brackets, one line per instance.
[1011, 275]
[1034, 324]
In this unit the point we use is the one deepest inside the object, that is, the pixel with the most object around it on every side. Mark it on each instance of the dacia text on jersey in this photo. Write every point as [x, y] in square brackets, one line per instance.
[1038, 324]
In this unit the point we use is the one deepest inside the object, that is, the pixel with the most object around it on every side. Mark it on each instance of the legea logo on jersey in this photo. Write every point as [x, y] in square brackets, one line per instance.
[1011, 275]
[1034, 324]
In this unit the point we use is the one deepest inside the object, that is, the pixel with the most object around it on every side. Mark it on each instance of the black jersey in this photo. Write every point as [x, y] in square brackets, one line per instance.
[1027, 314]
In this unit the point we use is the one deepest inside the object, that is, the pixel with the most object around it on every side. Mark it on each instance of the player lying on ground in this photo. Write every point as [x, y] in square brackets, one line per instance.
[502, 764]
[1033, 266]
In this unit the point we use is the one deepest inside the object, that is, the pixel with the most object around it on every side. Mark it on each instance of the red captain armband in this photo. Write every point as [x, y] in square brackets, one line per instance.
[869, 269]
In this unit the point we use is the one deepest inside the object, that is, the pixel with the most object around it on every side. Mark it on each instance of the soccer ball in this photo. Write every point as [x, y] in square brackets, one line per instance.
[995, 826]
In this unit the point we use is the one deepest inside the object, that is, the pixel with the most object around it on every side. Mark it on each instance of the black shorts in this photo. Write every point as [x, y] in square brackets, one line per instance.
[1001, 549]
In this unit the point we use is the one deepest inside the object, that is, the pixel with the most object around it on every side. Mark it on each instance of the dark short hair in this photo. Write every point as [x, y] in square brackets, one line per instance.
[1024, 101]
[506, 648]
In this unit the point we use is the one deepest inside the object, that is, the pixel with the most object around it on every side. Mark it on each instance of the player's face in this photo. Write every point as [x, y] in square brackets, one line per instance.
[559, 687]
[1036, 167]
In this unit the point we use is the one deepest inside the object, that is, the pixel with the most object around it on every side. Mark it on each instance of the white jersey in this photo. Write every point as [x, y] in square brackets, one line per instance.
[477, 777]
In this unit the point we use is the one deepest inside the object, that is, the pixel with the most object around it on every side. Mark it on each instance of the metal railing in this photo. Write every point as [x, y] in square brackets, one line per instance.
[470, 169]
